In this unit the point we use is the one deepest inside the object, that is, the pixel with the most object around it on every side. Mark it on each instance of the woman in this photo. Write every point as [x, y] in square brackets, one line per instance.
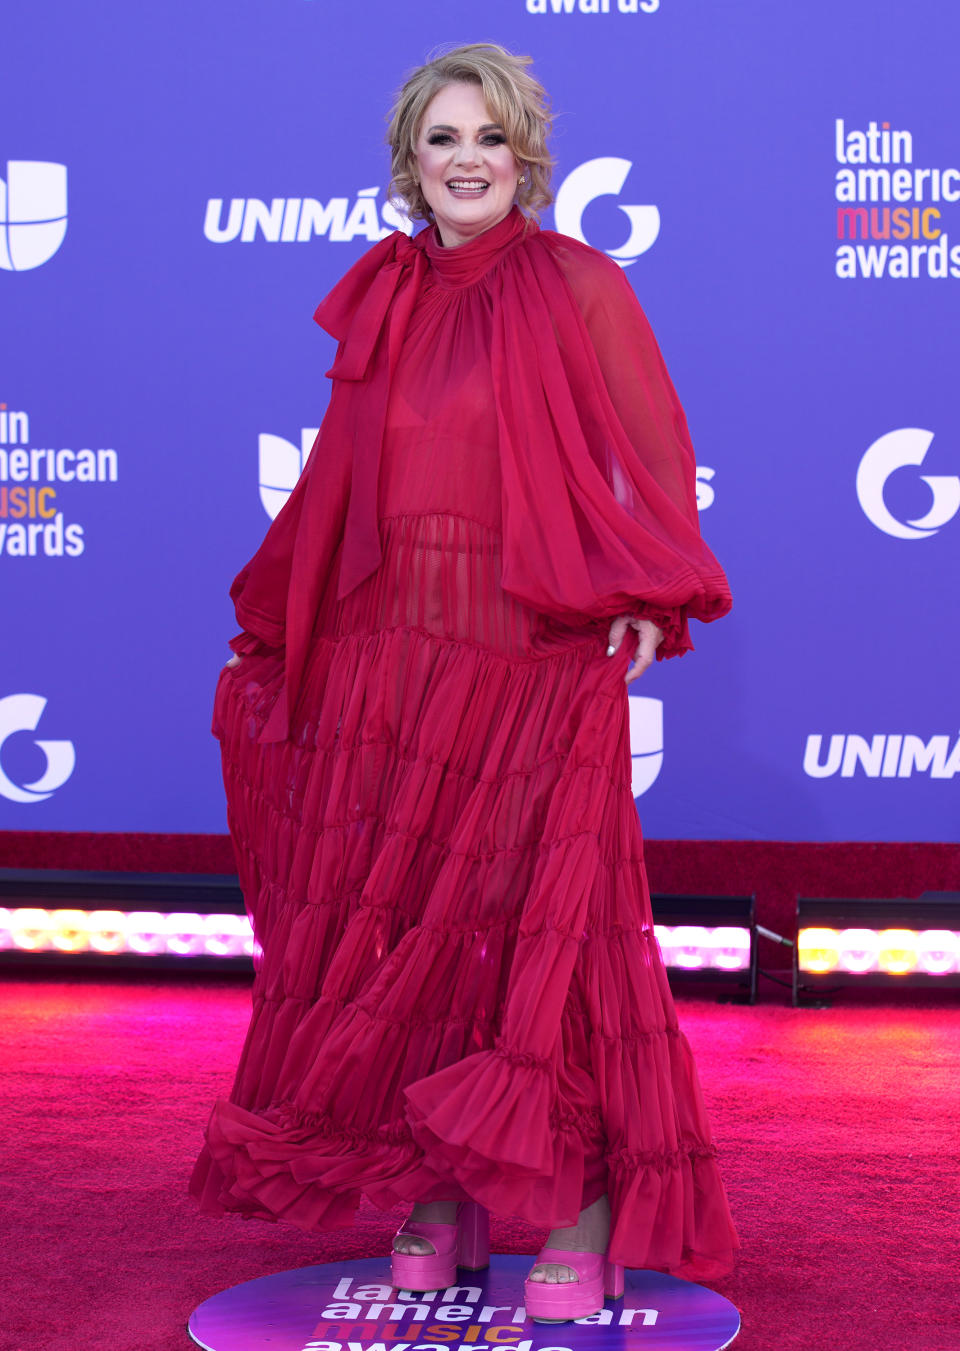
[460, 1001]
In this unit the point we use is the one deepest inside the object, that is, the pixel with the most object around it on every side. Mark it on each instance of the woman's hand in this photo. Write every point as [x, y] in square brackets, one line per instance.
[234, 660]
[649, 639]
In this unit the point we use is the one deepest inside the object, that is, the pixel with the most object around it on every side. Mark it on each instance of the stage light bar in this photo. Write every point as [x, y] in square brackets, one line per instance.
[160, 920]
[111, 933]
[194, 921]
[894, 952]
[708, 939]
[883, 943]
[687, 947]
[694, 947]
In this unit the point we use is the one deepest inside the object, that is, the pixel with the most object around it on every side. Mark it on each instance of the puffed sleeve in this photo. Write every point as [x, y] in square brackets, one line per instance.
[299, 545]
[246, 644]
[259, 590]
[647, 408]
[599, 479]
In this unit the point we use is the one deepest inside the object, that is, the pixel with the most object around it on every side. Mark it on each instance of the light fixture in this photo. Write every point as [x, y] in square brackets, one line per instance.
[198, 921]
[882, 943]
[708, 939]
[158, 920]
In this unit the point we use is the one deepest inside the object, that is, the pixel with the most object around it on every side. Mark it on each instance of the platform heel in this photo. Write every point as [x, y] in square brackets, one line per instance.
[473, 1223]
[612, 1280]
[557, 1302]
[466, 1244]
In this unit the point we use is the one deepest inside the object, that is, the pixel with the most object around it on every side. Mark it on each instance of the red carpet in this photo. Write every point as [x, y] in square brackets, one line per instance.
[838, 1130]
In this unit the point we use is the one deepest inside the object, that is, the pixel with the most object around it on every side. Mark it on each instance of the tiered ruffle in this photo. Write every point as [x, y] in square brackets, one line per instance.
[459, 992]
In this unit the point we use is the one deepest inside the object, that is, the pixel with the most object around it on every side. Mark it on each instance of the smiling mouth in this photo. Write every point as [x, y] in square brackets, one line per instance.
[467, 187]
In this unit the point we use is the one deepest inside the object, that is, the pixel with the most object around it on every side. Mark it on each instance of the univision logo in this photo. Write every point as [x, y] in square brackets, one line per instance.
[646, 741]
[281, 464]
[297, 220]
[33, 213]
[884, 756]
[22, 713]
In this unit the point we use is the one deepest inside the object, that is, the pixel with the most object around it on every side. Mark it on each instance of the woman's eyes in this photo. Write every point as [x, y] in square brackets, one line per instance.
[444, 138]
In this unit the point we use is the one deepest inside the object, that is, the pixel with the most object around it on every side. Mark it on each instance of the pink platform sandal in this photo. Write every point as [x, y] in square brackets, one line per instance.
[556, 1301]
[464, 1244]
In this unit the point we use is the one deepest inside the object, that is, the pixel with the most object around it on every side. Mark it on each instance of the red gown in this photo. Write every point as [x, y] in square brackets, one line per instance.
[427, 766]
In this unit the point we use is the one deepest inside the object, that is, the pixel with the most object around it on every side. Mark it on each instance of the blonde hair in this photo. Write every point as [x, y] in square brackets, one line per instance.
[515, 99]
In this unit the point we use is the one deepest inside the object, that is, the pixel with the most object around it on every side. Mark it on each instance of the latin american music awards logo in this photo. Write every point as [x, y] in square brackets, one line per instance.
[33, 213]
[893, 214]
[38, 484]
[351, 1306]
[592, 6]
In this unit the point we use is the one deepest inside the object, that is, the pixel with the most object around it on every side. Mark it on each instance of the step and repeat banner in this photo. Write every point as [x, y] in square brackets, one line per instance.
[180, 184]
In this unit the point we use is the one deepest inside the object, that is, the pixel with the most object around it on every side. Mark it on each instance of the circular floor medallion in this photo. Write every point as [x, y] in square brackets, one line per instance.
[351, 1306]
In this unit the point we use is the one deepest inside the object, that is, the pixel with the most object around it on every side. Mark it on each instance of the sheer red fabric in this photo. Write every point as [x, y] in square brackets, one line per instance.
[427, 763]
[597, 470]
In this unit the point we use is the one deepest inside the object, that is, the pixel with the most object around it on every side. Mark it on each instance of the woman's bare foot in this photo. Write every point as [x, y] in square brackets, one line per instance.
[589, 1234]
[435, 1212]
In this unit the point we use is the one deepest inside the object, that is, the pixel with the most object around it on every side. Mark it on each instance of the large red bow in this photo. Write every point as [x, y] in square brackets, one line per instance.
[372, 302]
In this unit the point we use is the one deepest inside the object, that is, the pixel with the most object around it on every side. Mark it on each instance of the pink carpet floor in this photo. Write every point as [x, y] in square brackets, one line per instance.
[839, 1130]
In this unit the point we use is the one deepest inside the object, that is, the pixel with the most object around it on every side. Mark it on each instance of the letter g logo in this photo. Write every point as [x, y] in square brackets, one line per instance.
[21, 713]
[605, 177]
[896, 450]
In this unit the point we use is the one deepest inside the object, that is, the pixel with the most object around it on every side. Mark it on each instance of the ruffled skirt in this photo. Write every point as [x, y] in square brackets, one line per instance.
[459, 992]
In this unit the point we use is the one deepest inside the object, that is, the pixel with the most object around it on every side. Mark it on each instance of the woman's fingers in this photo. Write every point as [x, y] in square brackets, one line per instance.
[617, 629]
[644, 655]
[649, 639]
[234, 660]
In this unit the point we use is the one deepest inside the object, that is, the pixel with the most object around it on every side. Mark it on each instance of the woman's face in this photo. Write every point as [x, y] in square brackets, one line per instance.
[468, 174]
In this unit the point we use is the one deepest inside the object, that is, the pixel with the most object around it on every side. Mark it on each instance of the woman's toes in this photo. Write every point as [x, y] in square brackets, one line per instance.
[553, 1273]
[412, 1246]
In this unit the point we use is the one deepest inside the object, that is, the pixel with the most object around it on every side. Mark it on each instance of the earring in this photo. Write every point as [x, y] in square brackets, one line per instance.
[522, 178]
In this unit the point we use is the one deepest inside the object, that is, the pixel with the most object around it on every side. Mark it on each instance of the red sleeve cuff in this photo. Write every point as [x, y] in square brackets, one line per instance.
[249, 645]
[673, 622]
